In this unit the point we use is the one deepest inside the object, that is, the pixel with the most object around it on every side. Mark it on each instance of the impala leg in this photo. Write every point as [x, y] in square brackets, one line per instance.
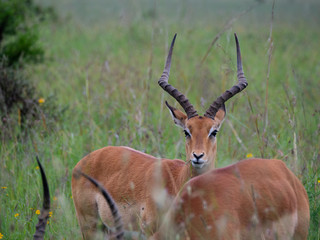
[87, 215]
[301, 231]
[302, 228]
[88, 226]
[104, 213]
[148, 222]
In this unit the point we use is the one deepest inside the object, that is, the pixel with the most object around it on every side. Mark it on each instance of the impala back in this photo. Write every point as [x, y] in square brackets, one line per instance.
[252, 199]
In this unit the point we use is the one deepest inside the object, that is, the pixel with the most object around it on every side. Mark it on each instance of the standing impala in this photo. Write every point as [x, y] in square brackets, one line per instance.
[132, 177]
[250, 200]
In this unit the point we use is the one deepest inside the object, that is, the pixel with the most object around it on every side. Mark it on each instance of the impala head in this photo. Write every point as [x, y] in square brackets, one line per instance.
[201, 131]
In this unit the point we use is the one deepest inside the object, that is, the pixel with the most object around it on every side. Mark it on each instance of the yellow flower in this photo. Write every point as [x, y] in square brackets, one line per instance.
[50, 214]
[249, 155]
[37, 167]
[38, 212]
[48, 222]
[41, 100]
[16, 215]
[319, 181]
[54, 198]
[1, 235]
[4, 187]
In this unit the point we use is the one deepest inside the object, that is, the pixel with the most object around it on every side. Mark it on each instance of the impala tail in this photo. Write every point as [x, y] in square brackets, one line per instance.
[119, 234]
[44, 215]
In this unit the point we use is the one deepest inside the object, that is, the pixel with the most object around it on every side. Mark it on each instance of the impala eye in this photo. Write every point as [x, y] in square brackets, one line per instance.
[186, 134]
[213, 133]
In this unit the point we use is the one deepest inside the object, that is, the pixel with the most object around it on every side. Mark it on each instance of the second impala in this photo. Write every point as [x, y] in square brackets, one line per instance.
[132, 177]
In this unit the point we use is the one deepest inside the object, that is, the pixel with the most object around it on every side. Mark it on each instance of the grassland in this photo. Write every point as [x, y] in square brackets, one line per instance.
[103, 63]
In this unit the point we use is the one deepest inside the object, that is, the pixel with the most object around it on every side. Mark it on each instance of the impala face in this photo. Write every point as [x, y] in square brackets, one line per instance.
[200, 133]
[201, 144]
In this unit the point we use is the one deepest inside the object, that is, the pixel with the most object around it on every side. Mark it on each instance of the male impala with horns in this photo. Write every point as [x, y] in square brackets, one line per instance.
[132, 177]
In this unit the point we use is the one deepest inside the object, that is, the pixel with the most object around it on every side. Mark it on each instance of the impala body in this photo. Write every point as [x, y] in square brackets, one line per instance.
[252, 199]
[133, 179]
[140, 183]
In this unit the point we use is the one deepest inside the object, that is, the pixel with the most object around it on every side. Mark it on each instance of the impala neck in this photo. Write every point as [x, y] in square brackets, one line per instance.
[189, 171]
[198, 171]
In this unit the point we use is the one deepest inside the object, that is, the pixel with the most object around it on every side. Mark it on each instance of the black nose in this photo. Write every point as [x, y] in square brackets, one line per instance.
[198, 156]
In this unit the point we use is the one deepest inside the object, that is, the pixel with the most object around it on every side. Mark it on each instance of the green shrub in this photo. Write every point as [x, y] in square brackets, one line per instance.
[20, 107]
[18, 30]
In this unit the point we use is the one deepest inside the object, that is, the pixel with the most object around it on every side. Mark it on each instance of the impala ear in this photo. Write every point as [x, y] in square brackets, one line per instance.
[178, 117]
[220, 115]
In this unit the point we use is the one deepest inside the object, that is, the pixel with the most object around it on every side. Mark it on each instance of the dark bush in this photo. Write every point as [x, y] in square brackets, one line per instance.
[20, 107]
[15, 93]
[18, 30]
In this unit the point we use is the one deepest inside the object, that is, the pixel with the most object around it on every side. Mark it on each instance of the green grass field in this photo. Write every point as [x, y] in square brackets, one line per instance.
[103, 61]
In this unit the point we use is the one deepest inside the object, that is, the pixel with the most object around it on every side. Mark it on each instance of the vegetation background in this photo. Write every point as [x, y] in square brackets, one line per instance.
[102, 62]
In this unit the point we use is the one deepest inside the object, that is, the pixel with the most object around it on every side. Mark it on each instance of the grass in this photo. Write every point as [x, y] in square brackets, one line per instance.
[105, 69]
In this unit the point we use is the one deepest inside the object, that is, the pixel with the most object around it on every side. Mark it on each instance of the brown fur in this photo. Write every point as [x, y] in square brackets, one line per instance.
[139, 183]
[252, 199]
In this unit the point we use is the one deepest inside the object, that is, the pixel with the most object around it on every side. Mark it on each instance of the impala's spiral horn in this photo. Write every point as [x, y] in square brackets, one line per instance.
[242, 84]
[163, 82]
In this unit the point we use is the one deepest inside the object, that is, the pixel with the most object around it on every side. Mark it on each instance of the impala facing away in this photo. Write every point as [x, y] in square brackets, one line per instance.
[250, 200]
[133, 177]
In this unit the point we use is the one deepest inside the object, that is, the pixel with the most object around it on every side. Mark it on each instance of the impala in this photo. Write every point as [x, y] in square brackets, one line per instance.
[251, 199]
[133, 177]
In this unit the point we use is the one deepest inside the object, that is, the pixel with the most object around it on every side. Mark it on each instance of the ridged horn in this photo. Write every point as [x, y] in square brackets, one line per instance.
[242, 84]
[44, 214]
[163, 82]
